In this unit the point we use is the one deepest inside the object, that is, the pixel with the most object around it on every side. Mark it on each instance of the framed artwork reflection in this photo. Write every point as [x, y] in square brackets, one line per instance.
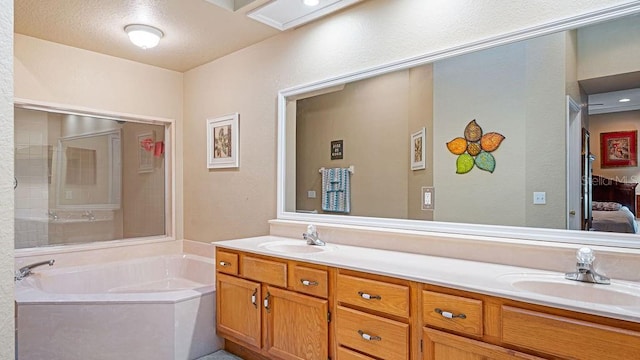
[619, 149]
[418, 150]
[146, 142]
[222, 142]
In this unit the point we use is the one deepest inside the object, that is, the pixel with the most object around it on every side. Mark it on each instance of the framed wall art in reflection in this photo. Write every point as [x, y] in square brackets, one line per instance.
[222, 142]
[418, 150]
[146, 142]
[619, 149]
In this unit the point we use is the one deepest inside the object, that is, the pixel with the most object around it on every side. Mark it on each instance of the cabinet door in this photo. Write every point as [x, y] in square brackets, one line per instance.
[238, 309]
[297, 325]
[439, 345]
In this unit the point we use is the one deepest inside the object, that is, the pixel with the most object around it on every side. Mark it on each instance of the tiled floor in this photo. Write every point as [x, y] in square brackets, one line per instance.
[220, 355]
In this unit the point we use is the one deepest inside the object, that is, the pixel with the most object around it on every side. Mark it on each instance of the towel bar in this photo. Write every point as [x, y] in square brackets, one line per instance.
[352, 169]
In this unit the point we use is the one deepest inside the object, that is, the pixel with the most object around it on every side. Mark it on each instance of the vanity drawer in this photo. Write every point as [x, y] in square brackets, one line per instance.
[346, 354]
[227, 262]
[373, 335]
[372, 294]
[263, 270]
[309, 281]
[437, 308]
[566, 337]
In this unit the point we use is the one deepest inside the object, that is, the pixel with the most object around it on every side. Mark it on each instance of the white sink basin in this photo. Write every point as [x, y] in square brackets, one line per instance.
[618, 293]
[294, 247]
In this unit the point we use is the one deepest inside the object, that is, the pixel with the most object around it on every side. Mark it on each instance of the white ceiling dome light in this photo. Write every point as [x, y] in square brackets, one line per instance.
[311, 2]
[143, 36]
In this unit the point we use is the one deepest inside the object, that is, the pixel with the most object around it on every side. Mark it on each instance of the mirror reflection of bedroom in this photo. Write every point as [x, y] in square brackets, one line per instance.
[609, 151]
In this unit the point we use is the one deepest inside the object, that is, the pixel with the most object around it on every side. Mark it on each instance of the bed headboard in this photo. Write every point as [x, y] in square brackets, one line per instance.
[604, 189]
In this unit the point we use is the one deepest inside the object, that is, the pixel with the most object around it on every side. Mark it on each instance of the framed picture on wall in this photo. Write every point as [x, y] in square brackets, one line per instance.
[146, 143]
[222, 142]
[619, 149]
[418, 150]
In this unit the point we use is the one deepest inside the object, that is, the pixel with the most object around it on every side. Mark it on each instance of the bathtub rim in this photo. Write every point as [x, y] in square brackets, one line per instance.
[26, 294]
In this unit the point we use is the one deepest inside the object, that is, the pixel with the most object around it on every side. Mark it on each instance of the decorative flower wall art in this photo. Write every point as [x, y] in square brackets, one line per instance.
[475, 148]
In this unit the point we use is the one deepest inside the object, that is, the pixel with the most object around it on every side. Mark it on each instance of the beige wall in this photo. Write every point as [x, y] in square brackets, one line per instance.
[421, 115]
[609, 48]
[370, 116]
[374, 117]
[619, 121]
[238, 203]
[527, 82]
[50, 72]
[142, 207]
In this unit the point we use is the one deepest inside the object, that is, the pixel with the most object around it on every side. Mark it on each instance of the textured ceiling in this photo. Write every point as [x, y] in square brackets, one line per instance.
[196, 31]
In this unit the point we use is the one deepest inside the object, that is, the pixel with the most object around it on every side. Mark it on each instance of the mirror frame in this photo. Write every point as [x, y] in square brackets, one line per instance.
[170, 177]
[480, 230]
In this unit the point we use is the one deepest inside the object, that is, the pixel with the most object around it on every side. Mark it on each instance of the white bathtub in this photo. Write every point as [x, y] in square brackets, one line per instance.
[151, 308]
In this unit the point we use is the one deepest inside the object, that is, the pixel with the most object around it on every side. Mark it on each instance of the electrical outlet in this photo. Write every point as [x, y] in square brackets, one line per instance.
[539, 198]
[311, 194]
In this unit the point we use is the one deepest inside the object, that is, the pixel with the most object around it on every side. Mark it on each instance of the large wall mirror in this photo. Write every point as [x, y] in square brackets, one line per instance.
[534, 139]
[83, 178]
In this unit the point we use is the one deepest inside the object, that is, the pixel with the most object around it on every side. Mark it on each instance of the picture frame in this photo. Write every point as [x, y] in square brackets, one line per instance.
[223, 134]
[417, 150]
[619, 149]
[146, 143]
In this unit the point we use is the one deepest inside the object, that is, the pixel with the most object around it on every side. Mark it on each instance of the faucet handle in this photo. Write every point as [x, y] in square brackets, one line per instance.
[311, 229]
[585, 255]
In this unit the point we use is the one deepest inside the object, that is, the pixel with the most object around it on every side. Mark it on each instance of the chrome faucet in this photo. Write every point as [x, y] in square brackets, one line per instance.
[312, 236]
[52, 214]
[89, 215]
[586, 272]
[25, 271]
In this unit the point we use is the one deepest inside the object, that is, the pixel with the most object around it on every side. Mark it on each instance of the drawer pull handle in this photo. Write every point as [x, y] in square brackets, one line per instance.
[368, 337]
[449, 315]
[368, 296]
[265, 302]
[309, 282]
[224, 263]
[253, 298]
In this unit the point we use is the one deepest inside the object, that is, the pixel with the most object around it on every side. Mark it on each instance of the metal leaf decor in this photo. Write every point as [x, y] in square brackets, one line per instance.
[473, 131]
[464, 164]
[457, 146]
[490, 141]
[486, 161]
[474, 149]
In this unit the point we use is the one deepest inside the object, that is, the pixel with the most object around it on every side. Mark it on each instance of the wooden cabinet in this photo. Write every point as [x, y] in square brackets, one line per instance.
[566, 337]
[296, 325]
[280, 309]
[450, 312]
[373, 316]
[256, 310]
[237, 308]
[497, 328]
[439, 345]
[371, 334]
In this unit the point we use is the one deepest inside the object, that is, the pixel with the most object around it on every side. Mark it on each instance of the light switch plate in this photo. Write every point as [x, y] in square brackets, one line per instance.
[428, 198]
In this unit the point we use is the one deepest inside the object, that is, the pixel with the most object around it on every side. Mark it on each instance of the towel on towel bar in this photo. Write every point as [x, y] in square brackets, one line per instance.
[336, 192]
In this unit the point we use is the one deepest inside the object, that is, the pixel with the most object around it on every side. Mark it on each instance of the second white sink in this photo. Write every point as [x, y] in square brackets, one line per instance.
[618, 293]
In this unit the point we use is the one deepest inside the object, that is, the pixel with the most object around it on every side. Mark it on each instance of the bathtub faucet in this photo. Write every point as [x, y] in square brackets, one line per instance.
[26, 270]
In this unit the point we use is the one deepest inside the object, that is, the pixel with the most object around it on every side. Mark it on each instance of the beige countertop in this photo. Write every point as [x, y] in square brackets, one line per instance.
[620, 300]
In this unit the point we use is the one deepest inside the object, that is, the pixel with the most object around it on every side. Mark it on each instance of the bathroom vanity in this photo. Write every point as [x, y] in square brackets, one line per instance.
[281, 298]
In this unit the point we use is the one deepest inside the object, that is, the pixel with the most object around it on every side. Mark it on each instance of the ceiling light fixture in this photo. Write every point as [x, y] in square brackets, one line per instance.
[143, 36]
[311, 2]
[624, 100]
